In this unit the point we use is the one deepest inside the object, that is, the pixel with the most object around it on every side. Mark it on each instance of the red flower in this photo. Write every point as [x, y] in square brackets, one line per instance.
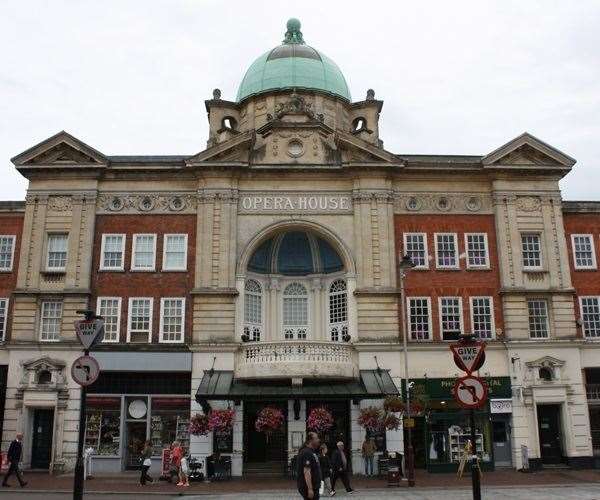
[319, 420]
[221, 420]
[269, 419]
[199, 425]
[370, 418]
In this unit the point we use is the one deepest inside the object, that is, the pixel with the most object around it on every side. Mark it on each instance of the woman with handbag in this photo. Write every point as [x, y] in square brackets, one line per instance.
[146, 463]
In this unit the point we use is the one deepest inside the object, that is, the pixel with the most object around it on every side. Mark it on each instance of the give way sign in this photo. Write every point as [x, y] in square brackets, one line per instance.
[468, 356]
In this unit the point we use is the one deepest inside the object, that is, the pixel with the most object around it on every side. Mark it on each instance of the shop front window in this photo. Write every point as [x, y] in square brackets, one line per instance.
[449, 433]
[103, 425]
[169, 421]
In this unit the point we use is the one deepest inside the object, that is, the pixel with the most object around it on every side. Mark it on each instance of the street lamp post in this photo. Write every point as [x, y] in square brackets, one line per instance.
[404, 265]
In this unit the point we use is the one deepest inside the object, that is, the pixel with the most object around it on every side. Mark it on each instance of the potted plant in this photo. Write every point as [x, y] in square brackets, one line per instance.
[319, 420]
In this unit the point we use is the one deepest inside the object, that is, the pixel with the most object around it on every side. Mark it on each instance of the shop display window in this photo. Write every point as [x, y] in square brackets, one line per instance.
[169, 421]
[103, 425]
[449, 433]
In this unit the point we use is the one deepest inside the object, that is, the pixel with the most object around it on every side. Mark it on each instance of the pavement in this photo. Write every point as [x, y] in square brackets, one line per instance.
[562, 484]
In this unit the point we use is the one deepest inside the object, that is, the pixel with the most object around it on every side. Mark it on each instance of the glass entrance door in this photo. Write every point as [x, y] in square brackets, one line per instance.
[136, 436]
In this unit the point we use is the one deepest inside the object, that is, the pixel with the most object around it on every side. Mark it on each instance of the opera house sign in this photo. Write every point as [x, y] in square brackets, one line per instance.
[295, 203]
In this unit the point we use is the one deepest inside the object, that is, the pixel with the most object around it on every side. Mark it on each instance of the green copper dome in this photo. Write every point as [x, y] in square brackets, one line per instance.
[293, 65]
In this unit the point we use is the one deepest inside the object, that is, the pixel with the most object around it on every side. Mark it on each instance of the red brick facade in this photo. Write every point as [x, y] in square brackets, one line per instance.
[465, 283]
[156, 284]
[585, 281]
[10, 224]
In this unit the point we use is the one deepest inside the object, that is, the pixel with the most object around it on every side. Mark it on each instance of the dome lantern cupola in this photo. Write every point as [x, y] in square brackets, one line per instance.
[293, 65]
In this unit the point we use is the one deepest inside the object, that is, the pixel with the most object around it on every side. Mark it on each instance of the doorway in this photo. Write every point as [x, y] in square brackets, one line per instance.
[41, 448]
[135, 438]
[501, 441]
[265, 451]
[549, 426]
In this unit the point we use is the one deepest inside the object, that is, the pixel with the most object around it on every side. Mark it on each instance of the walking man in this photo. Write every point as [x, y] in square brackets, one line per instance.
[309, 470]
[15, 452]
[339, 466]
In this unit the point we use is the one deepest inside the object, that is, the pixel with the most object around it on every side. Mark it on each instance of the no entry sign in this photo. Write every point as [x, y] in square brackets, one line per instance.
[470, 392]
[468, 356]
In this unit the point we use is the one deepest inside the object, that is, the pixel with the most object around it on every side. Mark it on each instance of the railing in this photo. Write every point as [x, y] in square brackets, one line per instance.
[296, 359]
[593, 391]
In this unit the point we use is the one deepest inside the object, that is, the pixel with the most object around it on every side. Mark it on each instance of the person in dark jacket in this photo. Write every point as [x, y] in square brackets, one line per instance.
[339, 467]
[15, 451]
[146, 463]
[308, 470]
[325, 469]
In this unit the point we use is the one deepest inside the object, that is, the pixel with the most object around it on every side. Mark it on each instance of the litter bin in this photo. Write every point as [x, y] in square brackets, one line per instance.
[394, 470]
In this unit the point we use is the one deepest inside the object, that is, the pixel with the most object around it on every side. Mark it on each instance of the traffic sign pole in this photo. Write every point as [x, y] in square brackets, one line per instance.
[88, 335]
[79, 469]
[471, 392]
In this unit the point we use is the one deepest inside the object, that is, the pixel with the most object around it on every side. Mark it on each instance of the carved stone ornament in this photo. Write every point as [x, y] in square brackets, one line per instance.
[529, 203]
[146, 203]
[295, 105]
[413, 204]
[473, 203]
[59, 203]
[443, 204]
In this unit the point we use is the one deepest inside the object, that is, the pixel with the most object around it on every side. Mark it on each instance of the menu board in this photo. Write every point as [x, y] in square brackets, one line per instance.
[223, 441]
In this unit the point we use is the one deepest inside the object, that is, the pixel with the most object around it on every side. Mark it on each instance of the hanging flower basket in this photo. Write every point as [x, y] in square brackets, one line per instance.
[416, 408]
[269, 419]
[221, 420]
[393, 404]
[319, 420]
[199, 425]
[391, 422]
[370, 418]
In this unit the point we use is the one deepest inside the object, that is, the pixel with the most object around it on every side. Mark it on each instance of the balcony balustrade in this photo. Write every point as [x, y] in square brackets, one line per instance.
[593, 392]
[296, 359]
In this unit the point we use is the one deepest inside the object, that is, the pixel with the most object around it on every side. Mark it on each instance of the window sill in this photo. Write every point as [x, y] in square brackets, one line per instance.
[534, 270]
[174, 270]
[579, 269]
[448, 269]
[110, 270]
[6, 270]
[486, 268]
[143, 270]
[54, 271]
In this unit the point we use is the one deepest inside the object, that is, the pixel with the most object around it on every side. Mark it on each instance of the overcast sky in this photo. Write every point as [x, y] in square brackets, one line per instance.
[131, 77]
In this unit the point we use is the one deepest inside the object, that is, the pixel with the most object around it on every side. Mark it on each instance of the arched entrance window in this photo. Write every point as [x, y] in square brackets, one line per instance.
[295, 312]
[295, 288]
[252, 310]
[338, 311]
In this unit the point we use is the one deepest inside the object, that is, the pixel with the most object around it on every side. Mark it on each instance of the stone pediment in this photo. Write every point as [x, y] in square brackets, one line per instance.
[236, 149]
[356, 150]
[61, 149]
[545, 362]
[529, 152]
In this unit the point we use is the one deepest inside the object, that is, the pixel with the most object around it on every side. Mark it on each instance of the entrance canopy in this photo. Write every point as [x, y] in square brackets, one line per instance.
[221, 385]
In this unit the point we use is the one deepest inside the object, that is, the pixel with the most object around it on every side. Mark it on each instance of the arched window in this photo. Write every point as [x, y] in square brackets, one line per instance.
[295, 312]
[252, 310]
[338, 310]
